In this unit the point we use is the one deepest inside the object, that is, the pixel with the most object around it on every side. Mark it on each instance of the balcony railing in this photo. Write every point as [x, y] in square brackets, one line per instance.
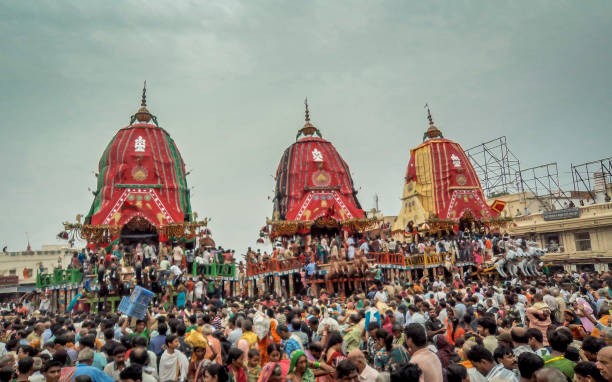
[214, 270]
[59, 277]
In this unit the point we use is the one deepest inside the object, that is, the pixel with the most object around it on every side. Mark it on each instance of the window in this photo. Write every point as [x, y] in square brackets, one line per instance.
[552, 242]
[583, 241]
[13, 271]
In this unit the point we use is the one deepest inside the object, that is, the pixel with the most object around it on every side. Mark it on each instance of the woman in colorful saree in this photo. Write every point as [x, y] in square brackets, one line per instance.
[299, 370]
[271, 372]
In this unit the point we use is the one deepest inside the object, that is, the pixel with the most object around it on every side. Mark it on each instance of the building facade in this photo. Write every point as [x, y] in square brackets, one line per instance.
[25, 264]
[579, 238]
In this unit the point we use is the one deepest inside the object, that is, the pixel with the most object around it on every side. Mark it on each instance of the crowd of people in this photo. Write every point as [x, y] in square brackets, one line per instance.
[163, 267]
[352, 254]
[465, 329]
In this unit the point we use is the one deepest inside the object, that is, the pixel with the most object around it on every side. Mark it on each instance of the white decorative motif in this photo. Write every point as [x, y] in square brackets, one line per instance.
[141, 191]
[140, 144]
[333, 196]
[456, 161]
[317, 156]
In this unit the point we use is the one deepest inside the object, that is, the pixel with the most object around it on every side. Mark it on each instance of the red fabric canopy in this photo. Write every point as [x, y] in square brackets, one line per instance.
[446, 182]
[312, 181]
[141, 173]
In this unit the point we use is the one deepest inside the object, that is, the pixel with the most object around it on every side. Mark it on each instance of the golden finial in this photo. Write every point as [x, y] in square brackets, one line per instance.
[431, 123]
[432, 132]
[143, 114]
[309, 129]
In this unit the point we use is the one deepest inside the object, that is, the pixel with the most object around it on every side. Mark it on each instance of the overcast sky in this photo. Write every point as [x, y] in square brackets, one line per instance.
[227, 80]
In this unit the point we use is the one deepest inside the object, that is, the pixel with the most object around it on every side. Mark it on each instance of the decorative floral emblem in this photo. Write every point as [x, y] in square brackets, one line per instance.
[139, 173]
[321, 178]
[140, 145]
[461, 180]
[317, 156]
[456, 161]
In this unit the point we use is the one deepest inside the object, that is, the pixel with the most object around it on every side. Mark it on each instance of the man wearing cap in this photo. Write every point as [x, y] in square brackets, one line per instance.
[85, 359]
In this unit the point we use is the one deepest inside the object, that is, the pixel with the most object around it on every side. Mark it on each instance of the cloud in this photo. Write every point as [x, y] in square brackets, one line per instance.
[227, 80]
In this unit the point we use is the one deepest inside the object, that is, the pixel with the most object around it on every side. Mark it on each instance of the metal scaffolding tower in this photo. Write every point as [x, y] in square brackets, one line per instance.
[543, 182]
[496, 166]
[593, 177]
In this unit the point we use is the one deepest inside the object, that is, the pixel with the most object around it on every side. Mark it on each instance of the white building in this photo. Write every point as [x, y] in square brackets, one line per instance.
[27, 263]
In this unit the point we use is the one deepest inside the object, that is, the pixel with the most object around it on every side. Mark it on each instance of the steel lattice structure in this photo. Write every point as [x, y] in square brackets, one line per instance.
[496, 167]
[592, 177]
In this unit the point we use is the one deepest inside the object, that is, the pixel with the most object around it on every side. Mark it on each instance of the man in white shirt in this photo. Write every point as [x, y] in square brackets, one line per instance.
[366, 372]
[381, 296]
[176, 272]
[198, 290]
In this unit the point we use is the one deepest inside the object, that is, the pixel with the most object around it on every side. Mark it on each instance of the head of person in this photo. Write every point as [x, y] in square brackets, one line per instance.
[139, 357]
[172, 342]
[346, 371]
[199, 352]
[591, 346]
[299, 362]
[528, 364]
[550, 374]
[132, 373]
[140, 342]
[86, 356]
[407, 373]
[519, 336]
[372, 328]
[275, 372]
[274, 352]
[25, 366]
[119, 354]
[335, 339]
[52, 370]
[253, 358]
[481, 358]
[416, 337]
[456, 373]
[25, 351]
[587, 372]
[535, 338]
[486, 326]
[358, 359]
[283, 332]
[315, 349]
[396, 330]
[216, 373]
[504, 355]
[559, 339]
[235, 358]
[604, 362]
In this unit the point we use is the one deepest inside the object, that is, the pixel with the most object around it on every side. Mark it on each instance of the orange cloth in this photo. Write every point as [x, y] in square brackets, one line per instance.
[275, 337]
[262, 344]
[467, 364]
[604, 320]
[458, 333]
